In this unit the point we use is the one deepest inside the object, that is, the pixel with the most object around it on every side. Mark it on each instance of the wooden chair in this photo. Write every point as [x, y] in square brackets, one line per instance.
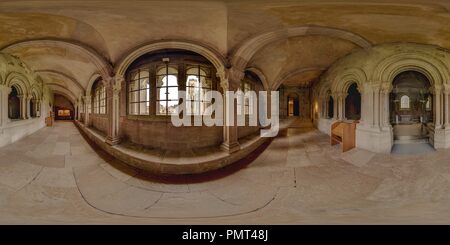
[344, 133]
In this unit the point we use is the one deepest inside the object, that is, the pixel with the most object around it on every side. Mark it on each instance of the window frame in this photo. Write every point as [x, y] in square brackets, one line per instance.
[198, 100]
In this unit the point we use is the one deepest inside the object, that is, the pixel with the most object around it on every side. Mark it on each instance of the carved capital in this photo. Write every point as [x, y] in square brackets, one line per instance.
[230, 79]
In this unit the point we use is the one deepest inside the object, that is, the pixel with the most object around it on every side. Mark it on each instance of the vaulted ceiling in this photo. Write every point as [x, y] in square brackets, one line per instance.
[108, 30]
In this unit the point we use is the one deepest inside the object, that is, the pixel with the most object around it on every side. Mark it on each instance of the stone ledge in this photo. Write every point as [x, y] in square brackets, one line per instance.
[173, 165]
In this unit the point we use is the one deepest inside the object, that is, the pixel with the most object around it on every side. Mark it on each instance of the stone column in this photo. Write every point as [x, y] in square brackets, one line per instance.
[4, 93]
[437, 109]
[230, 81]
[447, 110]
[113, 107]
[22, 99]
[335, 106]
[343, 97]
[87, 107]
[27, 106]
[385, 115]
[75, 115]
[376, 108]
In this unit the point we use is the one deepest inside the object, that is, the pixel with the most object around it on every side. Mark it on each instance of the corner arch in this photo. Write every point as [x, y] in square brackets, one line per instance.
[245, 52]
[209, 53]
[287, 75]
[436, 72]
[19, 80]
[261, 77]
[102, 65]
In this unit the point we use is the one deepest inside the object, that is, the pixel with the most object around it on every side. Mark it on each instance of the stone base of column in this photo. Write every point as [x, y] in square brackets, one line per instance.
[112, 140]
[374, 139]
[230, 148]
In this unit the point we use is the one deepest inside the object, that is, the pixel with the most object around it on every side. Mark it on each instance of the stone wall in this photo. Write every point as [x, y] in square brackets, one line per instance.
[15, 73]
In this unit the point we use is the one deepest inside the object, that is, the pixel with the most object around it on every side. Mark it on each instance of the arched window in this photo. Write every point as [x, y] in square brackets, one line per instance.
[14, 109]
[99, 98]
[245, 107]
[198, 83]
[166, 90]
[34, 106]
[330, 107]
[139, 92]
[155, 79]
[404, 102]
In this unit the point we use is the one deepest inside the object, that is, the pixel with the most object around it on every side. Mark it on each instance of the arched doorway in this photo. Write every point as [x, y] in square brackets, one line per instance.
[353, 103]
[330, 107]
[63, 108]
[293, 105]
[411, 106]
[13, 104]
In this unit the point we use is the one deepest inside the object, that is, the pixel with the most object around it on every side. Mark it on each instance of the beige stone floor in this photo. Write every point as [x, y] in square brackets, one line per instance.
[55, 177]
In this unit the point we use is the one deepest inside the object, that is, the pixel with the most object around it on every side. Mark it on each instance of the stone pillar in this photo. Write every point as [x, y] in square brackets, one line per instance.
[447, 110]
[376, 108]
[113, 107]
[230, 81]
[22, 99]
[75, 115]
[335, 106]
[385, 115]
[343, 97]
[437, 109]
[4, 93]
[27, 106]
[87, 107]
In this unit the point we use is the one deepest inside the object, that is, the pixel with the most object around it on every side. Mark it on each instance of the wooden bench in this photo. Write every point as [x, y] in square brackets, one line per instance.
[344, 133]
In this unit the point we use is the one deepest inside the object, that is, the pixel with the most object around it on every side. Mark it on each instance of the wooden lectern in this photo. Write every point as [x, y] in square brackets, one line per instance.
[344, 133]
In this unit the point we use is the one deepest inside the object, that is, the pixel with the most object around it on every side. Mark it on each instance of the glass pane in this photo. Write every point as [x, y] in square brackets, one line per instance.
[144, 83]
[206, 83]
[143, 108]
[173, 70]
[173, 81]
[161, 93]
[144, 73]
[133, 110]
[160, 81]
[134, 75]
[144, 95]
[134, 96]
[162, 107]
[191, 93]
[203, 93]
[162, 70]
[172, 107]
[192, 81]
[173, 93]
[133, 85]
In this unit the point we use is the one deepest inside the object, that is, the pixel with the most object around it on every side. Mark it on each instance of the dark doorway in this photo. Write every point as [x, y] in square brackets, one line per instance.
[353, 103]
[13, 104]
[293, 107]
[330, 107]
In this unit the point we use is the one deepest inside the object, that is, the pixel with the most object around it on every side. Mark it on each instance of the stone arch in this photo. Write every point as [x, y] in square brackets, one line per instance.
[62, 74]
[18, 80]
[282, 78]
[342, 82]
[91, 83]
[101, 63]
[209, 53]
[248, 48]
[261, 77]
[433, 68]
